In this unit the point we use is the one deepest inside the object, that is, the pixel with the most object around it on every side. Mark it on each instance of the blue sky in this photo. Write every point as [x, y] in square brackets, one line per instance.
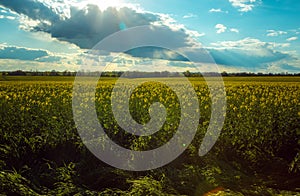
[240, 35]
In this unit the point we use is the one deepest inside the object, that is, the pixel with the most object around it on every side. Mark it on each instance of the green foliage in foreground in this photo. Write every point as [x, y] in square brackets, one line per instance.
[258, 152]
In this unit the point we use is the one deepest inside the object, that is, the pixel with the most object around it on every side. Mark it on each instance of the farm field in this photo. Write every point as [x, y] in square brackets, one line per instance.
[257, 153]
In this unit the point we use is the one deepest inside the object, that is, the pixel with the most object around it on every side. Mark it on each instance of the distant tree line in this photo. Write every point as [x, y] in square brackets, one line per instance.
[136, 74]
[259, 74]
[38, 73]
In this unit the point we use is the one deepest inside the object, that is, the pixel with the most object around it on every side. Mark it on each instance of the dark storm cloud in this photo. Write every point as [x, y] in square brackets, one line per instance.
[156, 53]
[240, 58]
[33, 9]
[11, 52]
[84, 27]
[87, 27]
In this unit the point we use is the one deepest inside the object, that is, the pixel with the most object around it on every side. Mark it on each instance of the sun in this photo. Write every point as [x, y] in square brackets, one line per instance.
[104, 4]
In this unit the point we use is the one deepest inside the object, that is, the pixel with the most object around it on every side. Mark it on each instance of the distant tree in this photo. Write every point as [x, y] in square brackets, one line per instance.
[17, 73]
[65, 73]
[187, 73]
[224, 73]
[53, 73]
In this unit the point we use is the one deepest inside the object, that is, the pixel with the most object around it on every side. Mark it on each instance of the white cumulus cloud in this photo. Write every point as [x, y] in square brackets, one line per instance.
[274, 33]
[220, 28]
[218, 10]
[234, 30]
[190, 15]
[7, 17]
[244, 5]
[292, 39]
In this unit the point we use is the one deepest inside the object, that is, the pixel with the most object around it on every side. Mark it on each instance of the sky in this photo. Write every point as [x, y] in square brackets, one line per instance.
[238, 35]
